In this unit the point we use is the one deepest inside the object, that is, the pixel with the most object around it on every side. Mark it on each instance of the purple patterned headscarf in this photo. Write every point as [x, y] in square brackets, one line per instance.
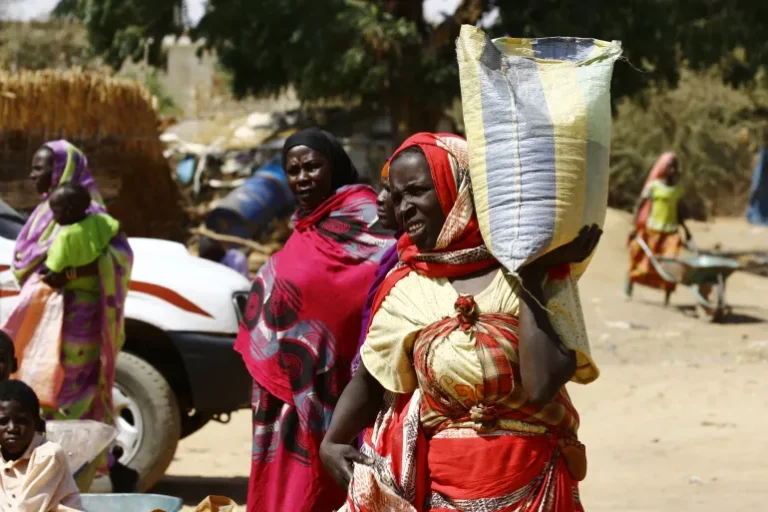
[37, 235]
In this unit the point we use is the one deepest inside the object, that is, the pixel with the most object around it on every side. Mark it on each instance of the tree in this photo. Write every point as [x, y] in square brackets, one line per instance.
[119, 30]
[42, 44]
[648, 30]
[727, 33]
[381, 52]
[715, 129]
[384, 54]
[658, 35]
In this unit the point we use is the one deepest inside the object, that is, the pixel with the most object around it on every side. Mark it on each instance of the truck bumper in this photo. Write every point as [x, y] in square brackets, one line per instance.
[218, 379]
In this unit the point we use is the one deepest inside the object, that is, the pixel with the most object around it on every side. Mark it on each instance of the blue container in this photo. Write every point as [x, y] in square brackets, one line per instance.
[185, 171]
[130, 503]
[247, 209]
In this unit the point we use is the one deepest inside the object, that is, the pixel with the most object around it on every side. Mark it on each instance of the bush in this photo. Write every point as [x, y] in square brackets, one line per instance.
[715, 130]
[43, 44]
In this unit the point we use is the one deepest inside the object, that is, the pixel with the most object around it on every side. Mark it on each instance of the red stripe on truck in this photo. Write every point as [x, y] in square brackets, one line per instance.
[170, 296]
[157, 291]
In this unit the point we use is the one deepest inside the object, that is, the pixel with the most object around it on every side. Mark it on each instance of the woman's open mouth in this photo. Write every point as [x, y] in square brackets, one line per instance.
[415, 228]
[304, 195]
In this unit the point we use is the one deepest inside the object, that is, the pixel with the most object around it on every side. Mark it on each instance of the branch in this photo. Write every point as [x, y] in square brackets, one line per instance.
[468, 12]
[230, 239]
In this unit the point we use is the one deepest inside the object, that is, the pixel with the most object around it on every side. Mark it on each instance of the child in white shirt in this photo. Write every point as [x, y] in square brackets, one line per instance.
[34, 472]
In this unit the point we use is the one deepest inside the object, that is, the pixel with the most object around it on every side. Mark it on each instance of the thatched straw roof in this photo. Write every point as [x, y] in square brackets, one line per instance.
[113, 121]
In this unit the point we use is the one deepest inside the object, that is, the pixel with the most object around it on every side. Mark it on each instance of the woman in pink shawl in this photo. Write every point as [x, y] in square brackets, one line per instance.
[302, 324]
[90, 325]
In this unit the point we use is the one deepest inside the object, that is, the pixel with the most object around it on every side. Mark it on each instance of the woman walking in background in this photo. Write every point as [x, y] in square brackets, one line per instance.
[656, 225]
[302, 323]
[90, 326]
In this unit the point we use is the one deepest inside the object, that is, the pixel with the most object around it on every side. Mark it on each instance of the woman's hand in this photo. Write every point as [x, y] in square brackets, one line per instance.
[54, 279]
[575, 251]
[337, 460]
[357, 408]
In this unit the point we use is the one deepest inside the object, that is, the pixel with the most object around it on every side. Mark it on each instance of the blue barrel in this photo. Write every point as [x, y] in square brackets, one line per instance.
[249, 208]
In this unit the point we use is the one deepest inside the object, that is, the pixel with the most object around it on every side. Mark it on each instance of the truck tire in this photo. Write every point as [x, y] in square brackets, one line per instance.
[147, 417]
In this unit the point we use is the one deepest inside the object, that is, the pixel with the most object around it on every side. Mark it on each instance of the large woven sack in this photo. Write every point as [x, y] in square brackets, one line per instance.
[35, 327]
[538, 121]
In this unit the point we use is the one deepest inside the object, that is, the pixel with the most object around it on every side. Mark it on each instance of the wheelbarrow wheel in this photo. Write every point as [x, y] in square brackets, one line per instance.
[707, 314]
[718, 310]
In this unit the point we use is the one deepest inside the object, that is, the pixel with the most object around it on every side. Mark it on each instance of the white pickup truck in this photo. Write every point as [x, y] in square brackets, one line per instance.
[177, 370]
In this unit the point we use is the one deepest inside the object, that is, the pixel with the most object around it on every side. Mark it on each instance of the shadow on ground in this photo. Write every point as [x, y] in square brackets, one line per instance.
[194, 489]
[737, 316]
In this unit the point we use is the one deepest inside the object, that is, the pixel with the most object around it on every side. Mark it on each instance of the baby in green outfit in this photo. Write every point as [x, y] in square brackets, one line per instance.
[81, 239]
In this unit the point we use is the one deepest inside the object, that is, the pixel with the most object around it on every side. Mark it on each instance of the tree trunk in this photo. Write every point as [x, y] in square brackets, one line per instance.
[409, 118]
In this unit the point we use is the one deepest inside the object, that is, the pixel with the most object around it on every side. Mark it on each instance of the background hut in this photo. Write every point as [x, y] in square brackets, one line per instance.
[113, 121]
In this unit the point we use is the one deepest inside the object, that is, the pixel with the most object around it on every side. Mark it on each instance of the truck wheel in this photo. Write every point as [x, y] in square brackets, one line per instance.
[147, 418]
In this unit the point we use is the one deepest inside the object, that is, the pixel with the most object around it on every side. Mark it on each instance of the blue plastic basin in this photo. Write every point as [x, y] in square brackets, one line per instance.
[130, 503]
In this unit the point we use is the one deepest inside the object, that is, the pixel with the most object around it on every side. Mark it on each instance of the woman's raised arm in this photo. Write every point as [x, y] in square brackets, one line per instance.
[546, 364]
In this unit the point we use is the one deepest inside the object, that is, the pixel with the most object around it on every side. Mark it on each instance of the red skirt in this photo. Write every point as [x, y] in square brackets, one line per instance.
[459, 469]
[504, 472]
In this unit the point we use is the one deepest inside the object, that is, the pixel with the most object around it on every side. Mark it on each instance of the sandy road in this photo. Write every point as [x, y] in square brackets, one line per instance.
[677, 420]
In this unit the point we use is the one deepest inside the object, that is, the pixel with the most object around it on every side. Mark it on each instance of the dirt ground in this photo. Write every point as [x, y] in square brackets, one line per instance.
[675, 422]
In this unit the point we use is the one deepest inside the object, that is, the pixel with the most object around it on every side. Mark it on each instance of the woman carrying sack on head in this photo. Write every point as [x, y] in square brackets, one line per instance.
[462, 372]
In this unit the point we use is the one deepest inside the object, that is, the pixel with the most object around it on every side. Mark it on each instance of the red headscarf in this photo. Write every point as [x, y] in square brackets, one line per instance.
[460, 247]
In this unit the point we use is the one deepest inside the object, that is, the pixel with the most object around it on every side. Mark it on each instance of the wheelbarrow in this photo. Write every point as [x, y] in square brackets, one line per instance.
[703, 274]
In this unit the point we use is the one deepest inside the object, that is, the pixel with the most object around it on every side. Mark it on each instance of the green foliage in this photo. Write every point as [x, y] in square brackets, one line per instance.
[119, 29]
[380, 52]
[658, 35]
[727, 33]
[39, 45]
[714, 128]
[165, 104]
[647, 29]
[382, 55]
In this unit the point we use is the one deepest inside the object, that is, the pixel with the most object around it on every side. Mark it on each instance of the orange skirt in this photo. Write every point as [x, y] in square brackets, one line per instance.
[641, 270]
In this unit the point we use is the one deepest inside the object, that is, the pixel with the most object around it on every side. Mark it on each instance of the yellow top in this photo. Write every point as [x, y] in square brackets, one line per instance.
[664, 203]
[417, 301]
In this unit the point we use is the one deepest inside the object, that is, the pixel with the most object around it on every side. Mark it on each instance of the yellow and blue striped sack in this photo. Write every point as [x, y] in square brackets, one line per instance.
[538, 121]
